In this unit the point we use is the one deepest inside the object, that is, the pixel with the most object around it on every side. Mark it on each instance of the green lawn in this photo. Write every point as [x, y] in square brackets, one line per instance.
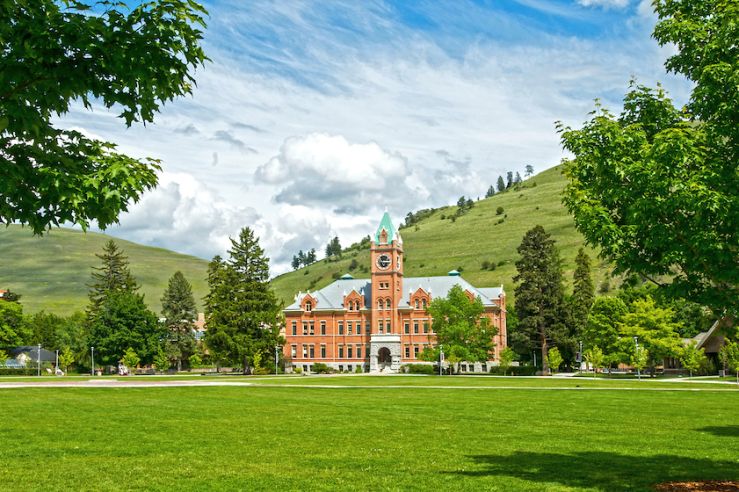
[407, 438]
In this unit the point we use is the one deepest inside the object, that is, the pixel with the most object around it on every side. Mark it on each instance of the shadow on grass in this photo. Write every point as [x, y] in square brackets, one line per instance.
[601, 470]
[722, 431]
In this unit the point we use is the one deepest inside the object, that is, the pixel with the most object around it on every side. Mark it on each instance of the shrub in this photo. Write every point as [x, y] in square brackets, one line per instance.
[485, 265]
[336, 275]
[499, 211]
[359, 370]
[419, 369]
[321, 368]
[492, 266]
[515, 370]
[24, 371]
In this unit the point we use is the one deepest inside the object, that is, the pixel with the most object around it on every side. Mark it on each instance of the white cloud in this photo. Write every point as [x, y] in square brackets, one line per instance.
[606, 4]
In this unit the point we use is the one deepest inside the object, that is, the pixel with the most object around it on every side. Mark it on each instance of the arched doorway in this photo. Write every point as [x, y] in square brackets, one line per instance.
[384, 359]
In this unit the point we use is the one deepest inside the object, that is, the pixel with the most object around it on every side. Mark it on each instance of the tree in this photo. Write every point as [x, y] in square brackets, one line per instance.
[640, 359]
[3, 358]
[582, 298]
[654, 330]
[594, 357]
[509, 179]
[500, 184]
[730, 356]
[656, 188]
[242, 312]
[130, 359]
[507, 355]
[602, 328]
[57, 52]
[310, 256]
[517, 179]
[460, 327]
[66, 358]
[490, 192]
[13, 330]
[529, 170]
[692, 358]
[296, 262]
[333, 248]
[124, 322]
[179, 311]
[554, 359]
[539, 291]
[195, 361]
[161, 360]
[112, 277]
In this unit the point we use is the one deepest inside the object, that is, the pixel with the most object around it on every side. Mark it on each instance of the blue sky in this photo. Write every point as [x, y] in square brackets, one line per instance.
[314, 116]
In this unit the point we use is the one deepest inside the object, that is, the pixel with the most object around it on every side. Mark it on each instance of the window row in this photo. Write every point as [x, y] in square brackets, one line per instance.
[416, 326]
[416, 350]
[423, 304]
[309, 327]
[384, 304]
[353, 305]
[342, 351]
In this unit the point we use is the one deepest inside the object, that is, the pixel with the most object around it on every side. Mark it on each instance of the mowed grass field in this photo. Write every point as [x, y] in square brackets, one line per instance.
[435, 246]
[392, 435]
[52, 272]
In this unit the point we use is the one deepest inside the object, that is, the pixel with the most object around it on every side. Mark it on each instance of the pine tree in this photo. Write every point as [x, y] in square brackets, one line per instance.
[501, 184]
[179, 311]
[490, 192]
[529, 170]
[113, 276]
[509, 179]
[583, 292]
[517, 179]
[310, 257]
[242, 311]
[539, 291]
[295, 263]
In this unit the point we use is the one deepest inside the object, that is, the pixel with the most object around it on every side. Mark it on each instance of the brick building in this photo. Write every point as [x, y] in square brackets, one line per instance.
[381, 323]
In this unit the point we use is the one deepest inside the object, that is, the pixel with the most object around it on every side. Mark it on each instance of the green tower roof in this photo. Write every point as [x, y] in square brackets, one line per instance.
[386, 224]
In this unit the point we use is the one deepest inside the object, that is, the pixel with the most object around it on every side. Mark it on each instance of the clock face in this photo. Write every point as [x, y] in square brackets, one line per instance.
[383, 261]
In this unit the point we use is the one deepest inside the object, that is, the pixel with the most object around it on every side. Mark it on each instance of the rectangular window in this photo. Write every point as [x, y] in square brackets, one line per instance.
[425, 326]
[379, 326]
[305, 351]
[323, 327]
[349, 352]
[295, 328]
[367, 327]
[341, 351]
[359, 351]
[415, 327]
[305, 327]
[323, 351]
[406, 327]
[312, 351]
[359, 327]
[341, 327]
[312, 328]
[293, 351]
[349, 327]
[407, 352]
[387, 326]
[415, 351]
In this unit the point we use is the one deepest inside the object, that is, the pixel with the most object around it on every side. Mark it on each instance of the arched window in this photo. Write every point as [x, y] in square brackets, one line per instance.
[379, 304]
[424, 303]
[388, 304]
[416, 303]
[309, 306]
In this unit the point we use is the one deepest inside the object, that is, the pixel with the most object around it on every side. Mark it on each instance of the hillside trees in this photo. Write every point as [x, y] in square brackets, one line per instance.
[656, 187]
[55, 53]
[242, 312]
[333, 248]
[490, 192]
[179, 311]
[113, 276]
[539, 291]
[500, 184]
[460, 328]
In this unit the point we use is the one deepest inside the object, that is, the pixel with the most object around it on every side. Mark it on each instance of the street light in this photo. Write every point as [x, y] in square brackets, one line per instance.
[92, 358]
[441, 358]
[638, 362]
[38, 360]
[277, 348]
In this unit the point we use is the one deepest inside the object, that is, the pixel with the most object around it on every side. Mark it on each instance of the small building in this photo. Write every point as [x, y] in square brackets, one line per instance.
[711, 341]
[381, 323]
[29, 355]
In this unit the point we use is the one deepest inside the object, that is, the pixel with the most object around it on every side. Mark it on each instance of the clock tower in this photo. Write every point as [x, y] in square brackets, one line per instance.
[386, 254]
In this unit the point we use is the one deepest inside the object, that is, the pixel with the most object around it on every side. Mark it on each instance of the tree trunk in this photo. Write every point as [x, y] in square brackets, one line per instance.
[544, 354]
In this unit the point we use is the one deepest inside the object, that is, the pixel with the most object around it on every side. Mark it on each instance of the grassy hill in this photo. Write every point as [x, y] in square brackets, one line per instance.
[52, 272]
[435, 245]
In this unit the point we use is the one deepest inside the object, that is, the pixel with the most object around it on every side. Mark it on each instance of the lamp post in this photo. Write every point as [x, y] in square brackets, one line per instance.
[277, 348]
[38, 360]
[441, 359]
[92, 358]
[56, 364]
[638, 362]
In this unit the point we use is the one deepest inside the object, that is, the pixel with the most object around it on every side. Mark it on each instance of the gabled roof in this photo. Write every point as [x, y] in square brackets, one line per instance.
[332, 296]
[32, 352]
[387, 224]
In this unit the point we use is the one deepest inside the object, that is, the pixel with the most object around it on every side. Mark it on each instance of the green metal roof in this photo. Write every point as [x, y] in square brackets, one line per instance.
[346, 276]
[386, 224]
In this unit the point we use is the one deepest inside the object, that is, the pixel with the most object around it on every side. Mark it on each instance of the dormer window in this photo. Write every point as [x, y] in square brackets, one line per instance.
[309, 306]
[423, 303]
[416, 304]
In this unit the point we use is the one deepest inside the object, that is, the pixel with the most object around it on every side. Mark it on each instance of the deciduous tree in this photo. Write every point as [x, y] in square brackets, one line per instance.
[55, 52]
[692, 358]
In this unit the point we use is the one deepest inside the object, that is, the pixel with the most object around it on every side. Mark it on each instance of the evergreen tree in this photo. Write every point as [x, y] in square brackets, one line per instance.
[509, 179]
[490, 192]
[295, 263]
[539, 292]
[310, 257]
[242, 312]
[501, 184]
[529, 170]
[517, 179]
[583, 295]
[179, 311]
[113, 276]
